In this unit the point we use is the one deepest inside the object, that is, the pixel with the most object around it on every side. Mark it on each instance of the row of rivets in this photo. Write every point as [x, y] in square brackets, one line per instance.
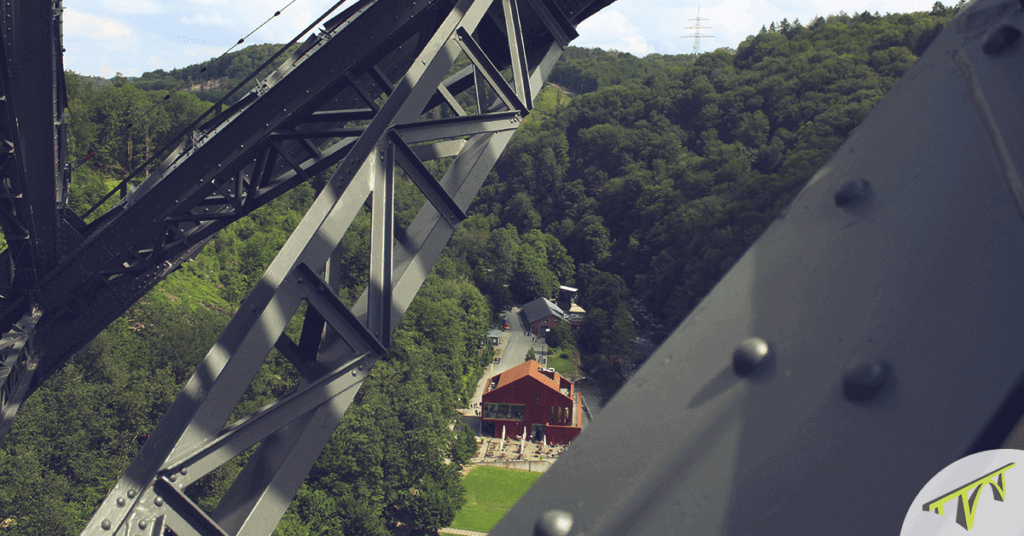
[861, 382]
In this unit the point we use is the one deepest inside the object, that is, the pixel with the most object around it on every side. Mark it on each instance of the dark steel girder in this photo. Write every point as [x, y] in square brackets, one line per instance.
[34, 134]
[885, 306]
[33, 179]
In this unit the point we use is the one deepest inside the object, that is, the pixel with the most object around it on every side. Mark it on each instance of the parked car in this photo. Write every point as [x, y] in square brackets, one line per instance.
[506, 326]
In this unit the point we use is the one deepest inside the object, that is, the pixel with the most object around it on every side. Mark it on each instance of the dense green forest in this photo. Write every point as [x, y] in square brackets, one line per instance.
[638, 180]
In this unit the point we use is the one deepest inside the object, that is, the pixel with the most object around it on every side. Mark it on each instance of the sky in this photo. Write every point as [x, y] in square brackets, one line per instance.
[105, 37]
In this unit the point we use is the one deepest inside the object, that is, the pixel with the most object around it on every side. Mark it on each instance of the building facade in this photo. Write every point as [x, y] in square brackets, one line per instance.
[542, 315]
[530, 400]
[575, 316]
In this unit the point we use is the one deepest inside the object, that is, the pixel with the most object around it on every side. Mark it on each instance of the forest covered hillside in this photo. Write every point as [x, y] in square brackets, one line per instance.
[639, 181]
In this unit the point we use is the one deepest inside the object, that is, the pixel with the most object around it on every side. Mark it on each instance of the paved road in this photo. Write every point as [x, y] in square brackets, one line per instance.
[462, 532]
[512, 346]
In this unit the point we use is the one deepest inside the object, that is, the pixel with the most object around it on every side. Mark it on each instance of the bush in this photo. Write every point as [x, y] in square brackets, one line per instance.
[558, 336]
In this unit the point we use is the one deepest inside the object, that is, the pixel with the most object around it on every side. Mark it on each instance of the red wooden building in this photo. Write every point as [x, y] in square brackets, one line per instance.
[532, 400]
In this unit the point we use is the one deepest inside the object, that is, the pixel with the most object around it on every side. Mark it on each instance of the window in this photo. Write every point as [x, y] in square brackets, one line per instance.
[506, 412]
[538, 398]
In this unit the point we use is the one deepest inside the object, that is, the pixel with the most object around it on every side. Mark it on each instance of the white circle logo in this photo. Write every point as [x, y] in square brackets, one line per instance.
[971, 497]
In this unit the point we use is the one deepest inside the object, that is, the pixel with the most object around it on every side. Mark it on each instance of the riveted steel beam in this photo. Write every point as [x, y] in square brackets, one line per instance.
[821, 398]
[314, 115]
[35, 137]
[290, 440]
[520, 70]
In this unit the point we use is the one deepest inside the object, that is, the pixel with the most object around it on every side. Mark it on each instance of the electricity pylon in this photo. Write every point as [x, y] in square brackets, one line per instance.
[696, 36]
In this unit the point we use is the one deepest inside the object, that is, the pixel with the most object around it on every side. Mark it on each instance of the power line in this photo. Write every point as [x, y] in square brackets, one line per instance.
[143, 115]
[697, 35]
[123, 184]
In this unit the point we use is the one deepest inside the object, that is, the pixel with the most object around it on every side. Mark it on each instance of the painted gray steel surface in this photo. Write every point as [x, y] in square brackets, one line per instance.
[920, 271]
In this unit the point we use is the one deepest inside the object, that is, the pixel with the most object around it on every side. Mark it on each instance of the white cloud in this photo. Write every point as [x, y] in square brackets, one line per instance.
[197, 54]
[607, 23]
[205, 19]
[104, 32]
[637, 45]
[106, 71]
[157, 63]
[138, 7]
[610, 29]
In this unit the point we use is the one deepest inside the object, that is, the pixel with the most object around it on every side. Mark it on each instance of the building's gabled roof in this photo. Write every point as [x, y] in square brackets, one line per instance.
[528, 369]
[540, 309]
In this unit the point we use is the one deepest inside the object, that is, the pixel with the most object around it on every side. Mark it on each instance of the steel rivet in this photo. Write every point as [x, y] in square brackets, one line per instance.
[353, 373]
[142, 523]
[866, 379]
[105, 524]
[554, 523]
[120, 501]
[750, 355]
[131, 494]
[159, 501]
[184, 470]
[1000, 39]
[852, 193]
[302, 280]
[172, 477]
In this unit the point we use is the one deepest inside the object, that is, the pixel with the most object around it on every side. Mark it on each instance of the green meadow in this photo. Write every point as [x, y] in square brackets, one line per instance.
[490, 494]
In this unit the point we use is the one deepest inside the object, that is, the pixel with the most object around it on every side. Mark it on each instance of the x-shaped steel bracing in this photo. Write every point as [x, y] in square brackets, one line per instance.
[338, 346]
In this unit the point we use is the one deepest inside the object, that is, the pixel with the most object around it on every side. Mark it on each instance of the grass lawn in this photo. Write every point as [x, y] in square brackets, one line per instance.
[490, 494]
[564, 367]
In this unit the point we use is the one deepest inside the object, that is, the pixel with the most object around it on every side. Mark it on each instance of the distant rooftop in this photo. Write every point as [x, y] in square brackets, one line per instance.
[529, 368]
[540, 309]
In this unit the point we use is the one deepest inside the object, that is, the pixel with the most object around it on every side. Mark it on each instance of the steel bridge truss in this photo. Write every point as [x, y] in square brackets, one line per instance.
[305, 119]
[33, 197]
[368, 122]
